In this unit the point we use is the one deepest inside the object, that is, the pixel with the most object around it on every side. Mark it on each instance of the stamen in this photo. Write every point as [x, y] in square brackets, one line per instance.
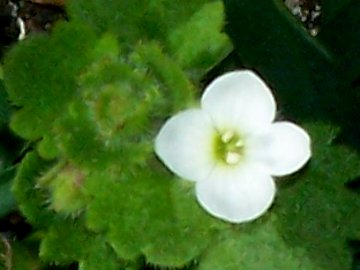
[239, 143]
[232, 158]
[229, 147]
[227, 136]
[21, 25]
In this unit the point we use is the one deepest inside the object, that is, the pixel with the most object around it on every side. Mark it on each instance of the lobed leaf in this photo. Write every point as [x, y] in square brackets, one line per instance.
[138, 20]
[24, 255]
[316, 211]
[68, 241]
[7, 201]
[313, 80]
[145, 220]
[255, 246]
[31, 199]
[199, 43]
[45, 91]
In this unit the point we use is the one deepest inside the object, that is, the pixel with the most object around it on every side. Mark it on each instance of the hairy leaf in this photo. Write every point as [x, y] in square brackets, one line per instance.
[68, 241]
[140, 216]
[316, 211]
[31, 199]
[44, 92]
[255, 246]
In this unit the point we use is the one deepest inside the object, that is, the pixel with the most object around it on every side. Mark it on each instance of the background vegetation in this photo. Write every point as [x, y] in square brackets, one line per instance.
[80, 187]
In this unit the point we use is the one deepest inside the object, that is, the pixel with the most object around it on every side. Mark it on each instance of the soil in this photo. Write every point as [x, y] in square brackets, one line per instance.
[19, 18]
[308, 12]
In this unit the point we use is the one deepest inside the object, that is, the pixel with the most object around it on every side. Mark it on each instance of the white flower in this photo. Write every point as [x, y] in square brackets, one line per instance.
[232, 148]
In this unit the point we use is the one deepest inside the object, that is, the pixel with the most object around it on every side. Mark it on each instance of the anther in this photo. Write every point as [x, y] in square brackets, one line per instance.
[232, 158]
[239, 143]
[227, 136]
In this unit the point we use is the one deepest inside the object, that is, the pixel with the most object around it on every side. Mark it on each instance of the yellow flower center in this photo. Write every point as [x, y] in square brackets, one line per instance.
[229, 147]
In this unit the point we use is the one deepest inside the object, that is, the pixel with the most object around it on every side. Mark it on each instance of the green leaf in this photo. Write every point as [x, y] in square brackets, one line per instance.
[139, 214]
[7, 201]
[136, 20]
[47, 148]
[68, 241]
[10, 150]
[310, 222]
[198, 44]
[183, 29]
[176, 87]
[18, 254]
[312, 77]
[32, 200]
[255, 246]
[66, 189]
[116, 115]
[315, 210]
[5, 109]
[45, 91]
[78, 138]
[282, 51]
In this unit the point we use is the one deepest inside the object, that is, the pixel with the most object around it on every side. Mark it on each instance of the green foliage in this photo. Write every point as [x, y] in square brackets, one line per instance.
[102, 125]
[254, 246]
[92, 104]
[138, 20]
[10, 149]
[97, 104]
[175, 236]
[19, 255]
[44, 92]
[7, 202]
[309, 223]
[73, 240]
[190, 44]
[309, 74]
[313, 78]
[292, 63]
[177, 87]
[31, 199]
[183, 28]
[66, 189]
[4, 104]
[47, 148]
[317, 212]
[88, 249]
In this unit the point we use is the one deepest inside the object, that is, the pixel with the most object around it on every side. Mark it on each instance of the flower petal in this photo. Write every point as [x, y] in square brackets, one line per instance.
[236, 194]
[239, 99]
[284, 149]
[185, 144]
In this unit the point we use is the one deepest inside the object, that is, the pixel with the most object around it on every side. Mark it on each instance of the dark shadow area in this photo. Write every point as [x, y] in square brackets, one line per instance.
[14, 226]
[36, 18]
[314, 80]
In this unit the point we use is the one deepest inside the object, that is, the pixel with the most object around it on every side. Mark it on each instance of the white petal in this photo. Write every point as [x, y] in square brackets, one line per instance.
[284, 149]
[239, 99]
[236, 195]
[186, 143]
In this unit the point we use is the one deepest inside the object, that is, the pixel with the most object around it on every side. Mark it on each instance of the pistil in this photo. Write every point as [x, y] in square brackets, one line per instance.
[229, 147]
